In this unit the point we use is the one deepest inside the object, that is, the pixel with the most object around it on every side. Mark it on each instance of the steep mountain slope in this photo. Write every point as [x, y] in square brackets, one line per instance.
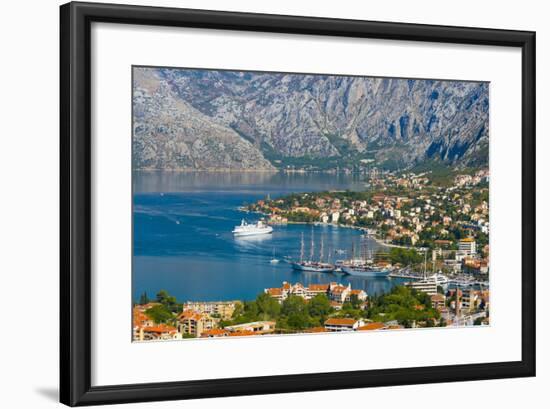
[170, 134]
[396, 122]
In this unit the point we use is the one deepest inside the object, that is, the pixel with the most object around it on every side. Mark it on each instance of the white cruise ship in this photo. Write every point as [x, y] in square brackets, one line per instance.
[252, 229]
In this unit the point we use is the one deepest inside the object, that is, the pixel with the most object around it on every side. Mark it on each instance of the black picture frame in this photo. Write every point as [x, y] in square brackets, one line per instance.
[76, 202]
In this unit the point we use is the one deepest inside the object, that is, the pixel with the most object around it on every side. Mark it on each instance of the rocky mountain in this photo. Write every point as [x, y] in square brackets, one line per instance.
[169, 133]
[206, 119]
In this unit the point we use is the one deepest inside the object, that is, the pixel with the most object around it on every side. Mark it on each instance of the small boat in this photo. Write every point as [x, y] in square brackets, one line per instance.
[273, 259]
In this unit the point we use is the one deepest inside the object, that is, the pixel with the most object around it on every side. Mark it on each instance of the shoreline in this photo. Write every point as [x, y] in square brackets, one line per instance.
[398, 246]
[230, 170]
[186, 170]
[362, 229]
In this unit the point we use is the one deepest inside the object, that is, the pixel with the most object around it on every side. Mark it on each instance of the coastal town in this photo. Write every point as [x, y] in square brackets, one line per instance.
[415, 218]
[407, 209]
[317, 308]
[449, 216]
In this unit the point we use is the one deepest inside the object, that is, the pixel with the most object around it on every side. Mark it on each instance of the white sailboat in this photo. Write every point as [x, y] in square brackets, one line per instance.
[273, 259]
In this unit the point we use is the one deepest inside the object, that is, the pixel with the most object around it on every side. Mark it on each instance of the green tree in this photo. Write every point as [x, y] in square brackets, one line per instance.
[404, 305]
[160, 314]
[298, 320]
[319, 306]
[251, 311]
[478, 321]
[293, 304]
[268, 307]
[294, 308]
[355, 302]
[143, 299]
[167, 300]
[405, 256]
[239, 309]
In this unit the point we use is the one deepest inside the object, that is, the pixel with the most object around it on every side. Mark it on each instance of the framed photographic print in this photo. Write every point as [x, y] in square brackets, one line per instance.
[260, 204]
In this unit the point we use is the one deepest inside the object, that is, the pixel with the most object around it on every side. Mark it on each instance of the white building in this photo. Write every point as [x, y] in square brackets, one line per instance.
[259, 327]
[467, 246]
[428, 286]
[342, 324]
[468, 300]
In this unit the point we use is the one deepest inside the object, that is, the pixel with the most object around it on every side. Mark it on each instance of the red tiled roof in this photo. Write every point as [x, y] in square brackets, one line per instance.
[438, 297]
[139, 318]
[371, 326]
[160, 329]
[190, 315]
[242, 333]
[214, 332]
[318, 287]
[340, 321]
[316, 329]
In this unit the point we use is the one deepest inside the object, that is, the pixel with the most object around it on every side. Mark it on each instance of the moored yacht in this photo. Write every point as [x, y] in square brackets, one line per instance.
[364, 269]
[363, 266]
[440, 279]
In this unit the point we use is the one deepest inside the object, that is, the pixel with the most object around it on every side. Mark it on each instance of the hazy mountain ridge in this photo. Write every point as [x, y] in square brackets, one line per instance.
[304, 116]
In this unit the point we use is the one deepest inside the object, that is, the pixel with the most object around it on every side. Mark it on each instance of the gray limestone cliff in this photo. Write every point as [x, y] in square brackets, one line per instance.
[209, 119]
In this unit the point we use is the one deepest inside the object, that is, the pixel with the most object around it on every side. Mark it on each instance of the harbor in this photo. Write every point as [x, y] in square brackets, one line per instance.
[222, 248]
[192, 251]
[339, 229]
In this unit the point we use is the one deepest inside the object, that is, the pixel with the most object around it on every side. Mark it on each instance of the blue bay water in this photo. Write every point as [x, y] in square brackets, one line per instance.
[183, 241]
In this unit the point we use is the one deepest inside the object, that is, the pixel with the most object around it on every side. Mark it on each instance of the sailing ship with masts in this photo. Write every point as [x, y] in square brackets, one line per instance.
[364, 265]
[311, 265]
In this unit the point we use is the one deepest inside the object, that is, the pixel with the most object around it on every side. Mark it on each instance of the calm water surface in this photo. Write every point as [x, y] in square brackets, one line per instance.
[183, 241]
